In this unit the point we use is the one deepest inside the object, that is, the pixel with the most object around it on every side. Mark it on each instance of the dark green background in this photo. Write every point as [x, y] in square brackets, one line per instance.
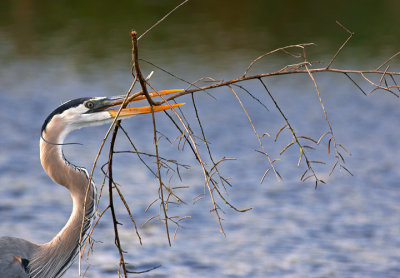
[100, 29]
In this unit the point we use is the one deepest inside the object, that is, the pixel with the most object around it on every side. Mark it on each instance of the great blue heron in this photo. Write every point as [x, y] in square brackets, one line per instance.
[20, 258]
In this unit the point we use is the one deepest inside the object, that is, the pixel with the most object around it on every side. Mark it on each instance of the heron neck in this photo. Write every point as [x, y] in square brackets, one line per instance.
[54, 257]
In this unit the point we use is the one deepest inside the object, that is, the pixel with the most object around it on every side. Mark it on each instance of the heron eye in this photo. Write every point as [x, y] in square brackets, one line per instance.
[89, 104]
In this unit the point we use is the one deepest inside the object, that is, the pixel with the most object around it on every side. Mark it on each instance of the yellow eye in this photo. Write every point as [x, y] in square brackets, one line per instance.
[89, 104]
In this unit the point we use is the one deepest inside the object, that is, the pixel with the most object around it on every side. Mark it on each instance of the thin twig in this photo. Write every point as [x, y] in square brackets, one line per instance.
[295, 137]
[302, 45]
[342, 46]
[163, 18]
[387, 61]
[142, 81]
[256, 133]
[270, 74]
[111, 201]
[81, 252]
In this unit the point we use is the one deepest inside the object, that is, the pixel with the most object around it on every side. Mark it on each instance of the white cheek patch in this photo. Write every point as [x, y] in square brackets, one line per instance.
[73, 113]
[95, 118]
[78, 117]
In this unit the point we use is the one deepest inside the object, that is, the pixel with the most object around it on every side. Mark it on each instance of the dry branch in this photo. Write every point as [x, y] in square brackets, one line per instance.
[362, 73]
[216, 186]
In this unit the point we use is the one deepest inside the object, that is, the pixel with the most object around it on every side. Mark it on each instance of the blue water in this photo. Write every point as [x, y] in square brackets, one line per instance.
[346, 228]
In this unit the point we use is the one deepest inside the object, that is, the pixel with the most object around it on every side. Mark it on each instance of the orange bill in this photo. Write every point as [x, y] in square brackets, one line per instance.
[141, 110]
[155, 94]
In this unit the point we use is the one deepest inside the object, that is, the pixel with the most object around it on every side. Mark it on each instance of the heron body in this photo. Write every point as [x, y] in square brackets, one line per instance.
[20, 258]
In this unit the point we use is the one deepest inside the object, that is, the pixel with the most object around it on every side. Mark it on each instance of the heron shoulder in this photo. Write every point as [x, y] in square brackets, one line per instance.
[15, 254]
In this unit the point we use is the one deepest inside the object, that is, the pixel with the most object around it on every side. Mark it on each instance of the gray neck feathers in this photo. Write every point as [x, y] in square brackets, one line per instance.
[52, 259]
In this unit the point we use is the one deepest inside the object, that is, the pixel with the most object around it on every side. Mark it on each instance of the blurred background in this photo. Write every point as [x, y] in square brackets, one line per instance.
[53, 51]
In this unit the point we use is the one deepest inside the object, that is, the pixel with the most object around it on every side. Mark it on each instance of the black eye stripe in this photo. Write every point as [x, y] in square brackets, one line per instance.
[62, 108]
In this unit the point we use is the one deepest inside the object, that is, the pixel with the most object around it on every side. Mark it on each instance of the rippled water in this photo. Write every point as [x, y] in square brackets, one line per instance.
[347, 228]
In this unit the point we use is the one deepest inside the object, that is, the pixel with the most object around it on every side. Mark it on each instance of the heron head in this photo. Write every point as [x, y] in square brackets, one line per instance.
[88, 111]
